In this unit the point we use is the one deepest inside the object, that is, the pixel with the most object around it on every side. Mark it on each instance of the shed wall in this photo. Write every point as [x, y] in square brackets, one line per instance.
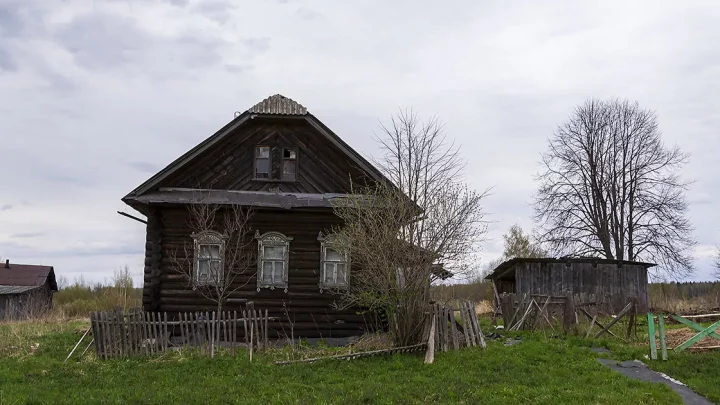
[611, 286]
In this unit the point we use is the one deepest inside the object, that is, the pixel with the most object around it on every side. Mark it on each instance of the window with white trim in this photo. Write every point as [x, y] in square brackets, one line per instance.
[208, 263]
[335, 264]
[273, 254]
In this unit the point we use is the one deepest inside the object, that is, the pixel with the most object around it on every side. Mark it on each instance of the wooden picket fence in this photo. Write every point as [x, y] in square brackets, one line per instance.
[138, 333]
[453, 335]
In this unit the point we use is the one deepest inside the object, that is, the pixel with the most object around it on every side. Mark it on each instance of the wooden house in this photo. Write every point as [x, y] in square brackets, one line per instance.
[26, 291]
[610, 284]
[282, 162]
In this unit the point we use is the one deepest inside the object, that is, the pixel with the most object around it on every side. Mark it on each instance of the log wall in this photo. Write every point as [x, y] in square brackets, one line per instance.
[303, 310]
[610, 285]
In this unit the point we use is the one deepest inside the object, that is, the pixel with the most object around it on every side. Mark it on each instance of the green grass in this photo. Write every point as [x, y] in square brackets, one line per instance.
[537, 371]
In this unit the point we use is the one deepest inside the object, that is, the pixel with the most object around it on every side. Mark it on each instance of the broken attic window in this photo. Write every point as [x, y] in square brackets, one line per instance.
[262, 162]
[289, 166]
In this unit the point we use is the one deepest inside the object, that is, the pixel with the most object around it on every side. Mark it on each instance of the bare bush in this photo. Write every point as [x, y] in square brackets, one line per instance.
[611, 188]
[400, 235]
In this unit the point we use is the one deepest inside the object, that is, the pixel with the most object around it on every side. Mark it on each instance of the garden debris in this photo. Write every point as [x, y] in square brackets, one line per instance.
[512, 341]
[676, 337]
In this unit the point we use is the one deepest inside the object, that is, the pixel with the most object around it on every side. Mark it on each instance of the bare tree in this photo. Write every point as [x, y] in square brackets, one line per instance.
[219, 259]
[401, 234]
[611, 188]
[716, 273]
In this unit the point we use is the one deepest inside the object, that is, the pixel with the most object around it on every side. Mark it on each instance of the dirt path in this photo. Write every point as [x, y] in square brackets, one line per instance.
[640, 371]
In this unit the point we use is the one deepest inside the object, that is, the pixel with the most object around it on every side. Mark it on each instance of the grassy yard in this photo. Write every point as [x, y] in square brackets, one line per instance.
[539, 370]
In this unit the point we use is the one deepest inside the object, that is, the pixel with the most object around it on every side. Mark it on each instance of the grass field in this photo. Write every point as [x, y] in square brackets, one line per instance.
[539, 370]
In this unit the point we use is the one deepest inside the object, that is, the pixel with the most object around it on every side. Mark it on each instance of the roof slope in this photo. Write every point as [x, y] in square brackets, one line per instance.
[28, 275]
[506, 265]
[276, 105]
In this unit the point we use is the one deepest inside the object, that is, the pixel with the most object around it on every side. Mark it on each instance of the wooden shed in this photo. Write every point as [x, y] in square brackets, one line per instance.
[26, 290]
[611, 284]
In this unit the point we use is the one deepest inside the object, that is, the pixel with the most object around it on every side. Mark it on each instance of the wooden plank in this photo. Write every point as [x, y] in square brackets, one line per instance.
[166, 333]
[699, 336]
[267, 341]
[466, 335]
[193, 331]
[430, 352]
[95, 332]
[476, 325]
[521, 301]
[592, 323]
[651, 336]
[148, 328]
[443, 329]
[614, 321]
[470, 325]
[454, 330]
[104, 333]
[208, 340]
[233, 337]
[245, 326]
[661, 331]
[590, 317]
[131, 334]
[123, 333]
[258, 329]
[520, 323]
[213, 332]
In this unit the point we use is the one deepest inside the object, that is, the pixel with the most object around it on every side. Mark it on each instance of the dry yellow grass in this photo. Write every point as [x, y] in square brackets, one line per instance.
[483, 307]
[21, 338]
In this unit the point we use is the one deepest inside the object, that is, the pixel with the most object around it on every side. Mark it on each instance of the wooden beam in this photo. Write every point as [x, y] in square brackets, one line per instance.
[699, 336]
[651, 336]
[614, 321]
[693, 325]
[132, 217]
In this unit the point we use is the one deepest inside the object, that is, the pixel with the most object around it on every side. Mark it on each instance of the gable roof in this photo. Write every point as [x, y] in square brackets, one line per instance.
[276, 105]
[27, 275]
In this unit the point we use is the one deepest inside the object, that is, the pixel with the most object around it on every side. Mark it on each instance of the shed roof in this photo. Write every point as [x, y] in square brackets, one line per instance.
[27, 275]
[506, 266]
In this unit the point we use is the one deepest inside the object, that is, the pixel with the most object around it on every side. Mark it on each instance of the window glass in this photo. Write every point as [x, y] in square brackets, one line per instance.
[263, 152]
[333, 255]
[274, 252]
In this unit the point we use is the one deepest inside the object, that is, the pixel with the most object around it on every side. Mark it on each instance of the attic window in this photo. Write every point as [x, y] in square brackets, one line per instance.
[289, 164]
[262, 162]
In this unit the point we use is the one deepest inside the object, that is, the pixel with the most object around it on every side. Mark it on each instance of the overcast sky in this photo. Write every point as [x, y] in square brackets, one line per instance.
[96, 96]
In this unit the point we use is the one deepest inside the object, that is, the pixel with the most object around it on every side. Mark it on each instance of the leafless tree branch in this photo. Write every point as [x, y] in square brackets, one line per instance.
[401, 233]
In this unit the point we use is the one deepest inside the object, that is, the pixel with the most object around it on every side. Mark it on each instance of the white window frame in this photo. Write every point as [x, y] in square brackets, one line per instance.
[208, 238]
[275, 239]
[328, 242]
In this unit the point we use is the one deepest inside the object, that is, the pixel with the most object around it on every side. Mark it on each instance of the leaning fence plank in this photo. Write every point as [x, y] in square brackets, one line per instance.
[661, 331]
[123, 333]
[651, 336]
[256, 321]
[148, 328]
[438, 328]
[464, 325]
[476, 325]
[614, 321]
[453, 328]
[207, 332]
[95, 332]
[430, 352]
[471, 325]
[233, 332]
[443, 329]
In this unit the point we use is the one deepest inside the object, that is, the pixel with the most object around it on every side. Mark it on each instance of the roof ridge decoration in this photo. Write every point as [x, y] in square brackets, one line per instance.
[279, 105]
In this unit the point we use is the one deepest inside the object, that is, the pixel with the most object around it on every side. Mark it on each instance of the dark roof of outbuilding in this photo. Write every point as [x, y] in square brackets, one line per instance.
[507, 265]
[28, 275]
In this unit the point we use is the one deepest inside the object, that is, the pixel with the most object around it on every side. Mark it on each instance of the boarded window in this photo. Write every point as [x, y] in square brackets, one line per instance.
[273, 255]
[208, 264]
[335, 264]
[289, 164]
[262, 162]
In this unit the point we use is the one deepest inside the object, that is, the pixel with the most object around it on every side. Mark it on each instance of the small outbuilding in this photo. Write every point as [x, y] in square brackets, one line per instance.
[610, 284]
[26, 290]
